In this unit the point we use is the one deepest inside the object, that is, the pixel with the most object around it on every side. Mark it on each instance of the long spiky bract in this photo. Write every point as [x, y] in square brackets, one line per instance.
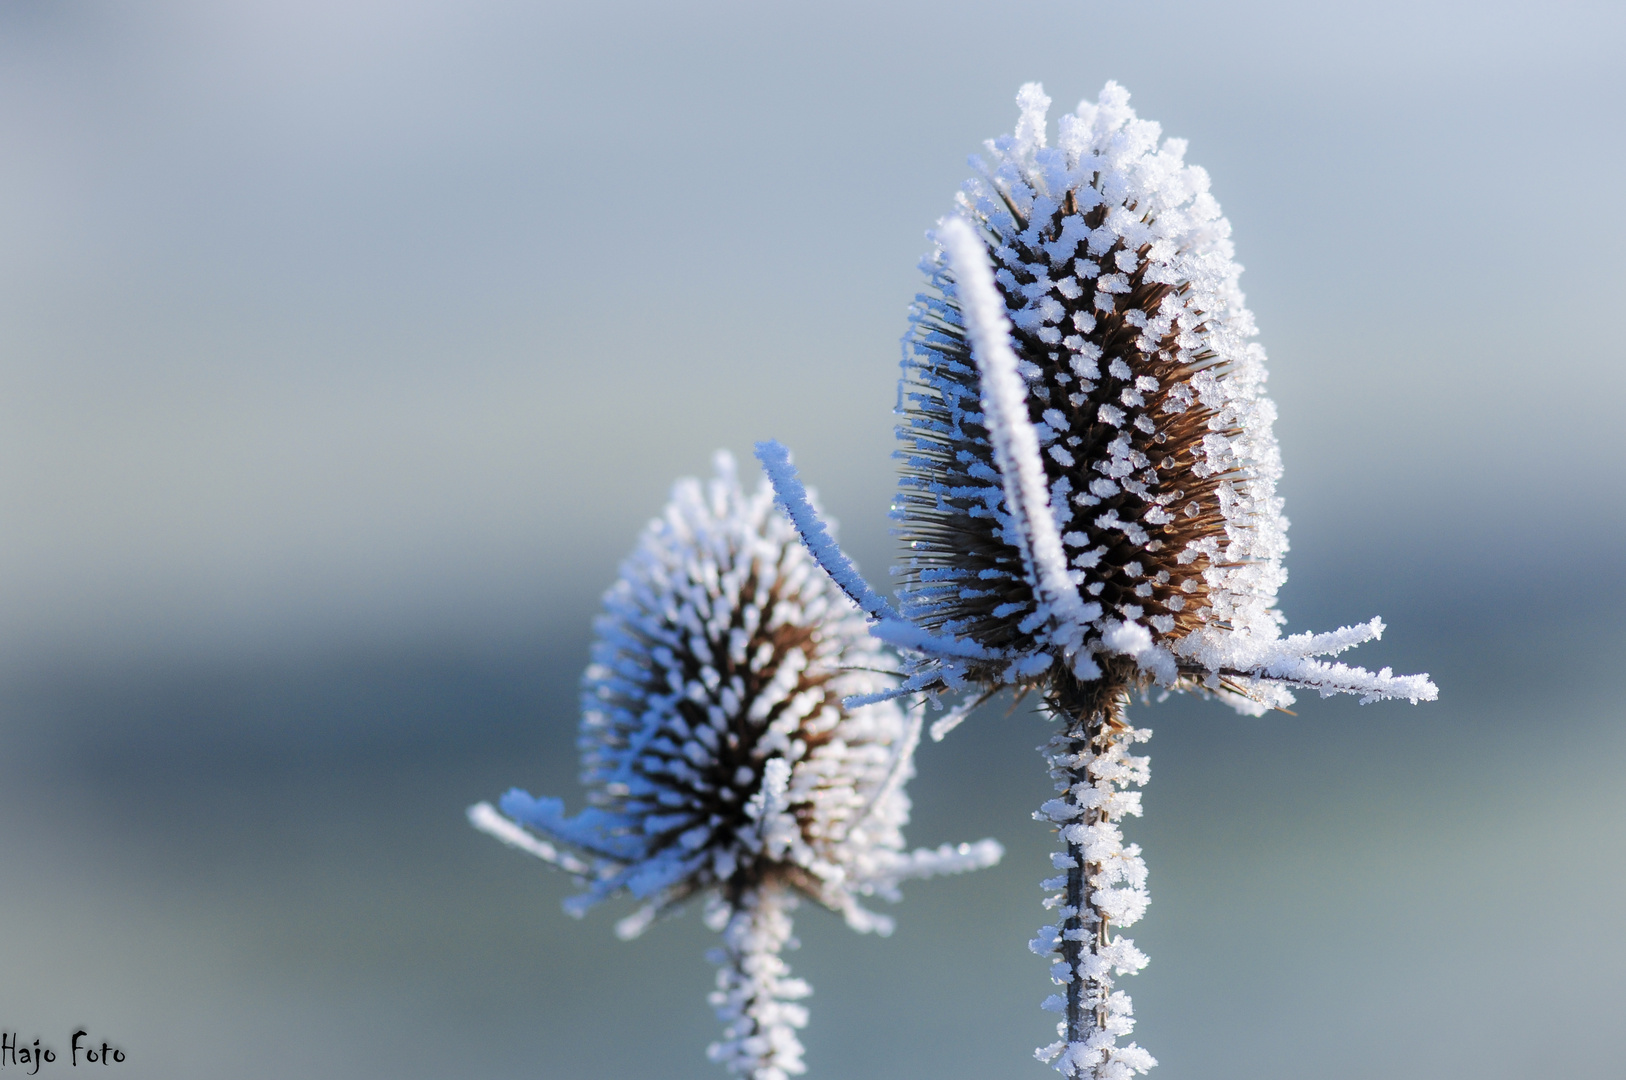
[1087, 498]
[722, 763]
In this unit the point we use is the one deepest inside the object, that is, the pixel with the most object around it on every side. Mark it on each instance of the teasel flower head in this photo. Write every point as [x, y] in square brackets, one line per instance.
[1088, 503]
[721, 762]
[1088, 468]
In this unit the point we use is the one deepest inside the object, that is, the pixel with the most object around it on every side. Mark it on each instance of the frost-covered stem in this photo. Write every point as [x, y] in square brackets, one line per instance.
[755, 996]
[1082, 1021]
[1104, 884]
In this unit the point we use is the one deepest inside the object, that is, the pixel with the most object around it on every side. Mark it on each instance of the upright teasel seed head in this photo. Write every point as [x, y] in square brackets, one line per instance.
[1088, 503]
[1115, 495]
[721, 762]
[1114, 269]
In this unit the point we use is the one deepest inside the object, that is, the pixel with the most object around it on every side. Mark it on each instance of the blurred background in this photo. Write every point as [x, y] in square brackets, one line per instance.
[345, 347]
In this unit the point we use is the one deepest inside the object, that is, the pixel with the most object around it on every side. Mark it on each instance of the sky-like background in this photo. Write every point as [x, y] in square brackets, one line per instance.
[345, 347]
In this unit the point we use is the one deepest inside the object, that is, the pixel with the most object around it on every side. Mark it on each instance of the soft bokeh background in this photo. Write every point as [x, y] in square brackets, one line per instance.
[344, 347]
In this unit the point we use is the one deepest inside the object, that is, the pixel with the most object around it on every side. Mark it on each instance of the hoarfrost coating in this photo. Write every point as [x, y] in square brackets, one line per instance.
[720, 759]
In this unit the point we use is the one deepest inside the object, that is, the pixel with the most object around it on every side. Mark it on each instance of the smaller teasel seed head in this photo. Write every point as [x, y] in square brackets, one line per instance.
[718, 755]
[721, 760]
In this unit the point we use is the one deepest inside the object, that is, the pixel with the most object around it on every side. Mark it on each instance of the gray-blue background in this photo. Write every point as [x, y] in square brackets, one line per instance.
[345, 347]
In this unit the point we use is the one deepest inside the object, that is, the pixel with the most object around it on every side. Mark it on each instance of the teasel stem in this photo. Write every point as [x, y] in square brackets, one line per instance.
[1103, 886]
[755, 996]
[1082, 1020]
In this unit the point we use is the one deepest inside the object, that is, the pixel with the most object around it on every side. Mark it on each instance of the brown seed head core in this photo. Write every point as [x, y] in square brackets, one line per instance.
[1123, 424]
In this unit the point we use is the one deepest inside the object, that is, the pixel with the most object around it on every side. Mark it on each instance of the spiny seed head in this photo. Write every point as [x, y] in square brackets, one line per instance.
[1116, 272]
[723, 649]
[721, 757]
[716, 749]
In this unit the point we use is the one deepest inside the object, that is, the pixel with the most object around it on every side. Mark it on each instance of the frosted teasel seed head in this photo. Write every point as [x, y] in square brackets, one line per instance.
[1088, 503]
[1114, 274]
[718, 755]
[1088, 466]
[721, 761]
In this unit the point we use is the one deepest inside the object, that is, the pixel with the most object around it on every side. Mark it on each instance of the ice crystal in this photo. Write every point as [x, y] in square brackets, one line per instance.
[1088, 498]
[721, 760]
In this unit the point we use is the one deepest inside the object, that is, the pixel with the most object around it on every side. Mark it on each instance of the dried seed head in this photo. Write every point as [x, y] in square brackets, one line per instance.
[1116, 272]
[721, 759]
[716, 749]
[1088, 501]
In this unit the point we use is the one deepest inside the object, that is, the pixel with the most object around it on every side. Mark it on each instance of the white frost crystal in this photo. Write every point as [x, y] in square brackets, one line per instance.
[721, 760]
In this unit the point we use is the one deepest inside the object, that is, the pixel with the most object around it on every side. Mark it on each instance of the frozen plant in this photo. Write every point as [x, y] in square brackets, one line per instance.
[1088, 502]
[721, 761]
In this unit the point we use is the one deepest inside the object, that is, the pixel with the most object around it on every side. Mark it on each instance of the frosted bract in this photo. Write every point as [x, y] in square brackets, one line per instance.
[720, 759]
